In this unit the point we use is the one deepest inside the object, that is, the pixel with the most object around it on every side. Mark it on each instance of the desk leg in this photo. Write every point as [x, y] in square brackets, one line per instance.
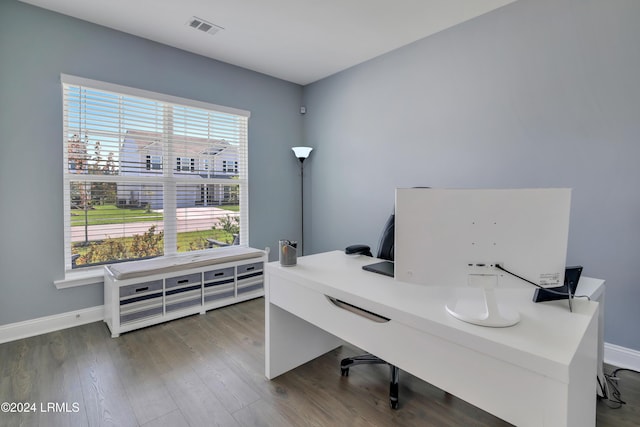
[291, 341]
[393, 387]
[601, 379]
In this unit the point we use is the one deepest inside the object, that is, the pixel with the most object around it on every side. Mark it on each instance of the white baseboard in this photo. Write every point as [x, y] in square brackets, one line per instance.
[43, 325]
[621, 357]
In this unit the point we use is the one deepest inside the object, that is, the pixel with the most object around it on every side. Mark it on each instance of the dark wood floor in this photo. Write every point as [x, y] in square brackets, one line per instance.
[208, 370]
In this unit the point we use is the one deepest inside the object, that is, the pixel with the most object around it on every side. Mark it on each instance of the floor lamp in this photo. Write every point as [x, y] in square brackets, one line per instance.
[302, 153]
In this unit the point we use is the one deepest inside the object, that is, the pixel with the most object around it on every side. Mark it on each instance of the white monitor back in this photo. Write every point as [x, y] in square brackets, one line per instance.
[445, 236]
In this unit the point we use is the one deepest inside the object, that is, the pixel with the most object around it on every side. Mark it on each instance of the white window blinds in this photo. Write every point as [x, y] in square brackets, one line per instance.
[147, 174]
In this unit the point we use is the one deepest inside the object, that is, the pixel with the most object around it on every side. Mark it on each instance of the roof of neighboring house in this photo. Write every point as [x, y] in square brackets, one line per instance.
[189, 146]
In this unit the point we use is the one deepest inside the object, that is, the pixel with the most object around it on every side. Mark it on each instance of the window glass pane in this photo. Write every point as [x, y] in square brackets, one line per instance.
[208, 216]
[115, 222]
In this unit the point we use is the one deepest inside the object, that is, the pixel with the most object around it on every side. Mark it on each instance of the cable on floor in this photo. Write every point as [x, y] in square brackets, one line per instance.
[611, 390]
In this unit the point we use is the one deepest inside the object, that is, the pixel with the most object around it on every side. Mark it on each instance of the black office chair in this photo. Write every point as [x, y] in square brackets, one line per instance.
[385, 251]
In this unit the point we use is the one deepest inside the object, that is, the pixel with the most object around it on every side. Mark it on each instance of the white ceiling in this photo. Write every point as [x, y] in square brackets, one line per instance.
[296, 40]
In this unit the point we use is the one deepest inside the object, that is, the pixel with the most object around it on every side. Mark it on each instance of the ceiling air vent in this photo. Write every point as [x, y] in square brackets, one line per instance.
[204, 26]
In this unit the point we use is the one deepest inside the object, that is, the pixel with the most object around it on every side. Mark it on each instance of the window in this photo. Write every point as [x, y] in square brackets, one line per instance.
[185, 164]
[154, 162]
[229, 166]
[123, 200]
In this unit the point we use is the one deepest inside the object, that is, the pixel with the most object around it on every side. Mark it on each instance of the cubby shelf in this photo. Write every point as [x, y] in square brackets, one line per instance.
[179, 289]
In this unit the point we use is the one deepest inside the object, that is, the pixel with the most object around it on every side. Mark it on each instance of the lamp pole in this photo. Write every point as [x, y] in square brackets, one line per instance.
[302, 153]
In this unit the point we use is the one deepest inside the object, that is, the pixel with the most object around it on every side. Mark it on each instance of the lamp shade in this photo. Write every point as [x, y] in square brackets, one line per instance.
[302, 152]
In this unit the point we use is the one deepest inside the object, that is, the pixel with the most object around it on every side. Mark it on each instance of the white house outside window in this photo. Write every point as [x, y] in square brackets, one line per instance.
[141, 177]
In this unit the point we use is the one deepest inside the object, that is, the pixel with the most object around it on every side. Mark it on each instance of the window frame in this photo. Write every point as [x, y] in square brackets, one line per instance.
[85, 275]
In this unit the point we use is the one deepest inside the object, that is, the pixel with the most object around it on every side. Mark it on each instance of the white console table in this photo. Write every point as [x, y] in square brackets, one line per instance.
[143, 293]
[540, 372]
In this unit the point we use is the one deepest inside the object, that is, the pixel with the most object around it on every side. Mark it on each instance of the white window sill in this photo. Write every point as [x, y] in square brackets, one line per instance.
[72, 279]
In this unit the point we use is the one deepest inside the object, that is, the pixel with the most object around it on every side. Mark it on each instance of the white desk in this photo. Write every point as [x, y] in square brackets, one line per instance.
[540, 372]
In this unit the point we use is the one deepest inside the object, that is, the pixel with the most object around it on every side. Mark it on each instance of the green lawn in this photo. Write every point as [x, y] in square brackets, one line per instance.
[234, 208]
[111, 214]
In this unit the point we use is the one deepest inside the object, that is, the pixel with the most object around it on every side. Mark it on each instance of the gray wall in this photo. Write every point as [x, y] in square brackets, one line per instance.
[540, 93]
[35, 47]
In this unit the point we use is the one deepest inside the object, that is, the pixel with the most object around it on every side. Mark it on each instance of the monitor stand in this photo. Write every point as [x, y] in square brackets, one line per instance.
[484, 311]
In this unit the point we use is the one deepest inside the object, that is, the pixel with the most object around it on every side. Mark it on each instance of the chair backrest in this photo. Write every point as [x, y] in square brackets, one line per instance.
[386, 244]
[387, 239]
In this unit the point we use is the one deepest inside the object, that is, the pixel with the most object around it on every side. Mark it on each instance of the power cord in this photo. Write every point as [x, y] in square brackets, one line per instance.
[553, 291]
[611, 391]
[499, 267]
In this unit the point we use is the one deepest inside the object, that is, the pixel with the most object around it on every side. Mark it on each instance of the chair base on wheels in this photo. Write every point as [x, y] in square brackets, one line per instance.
[369, 359]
